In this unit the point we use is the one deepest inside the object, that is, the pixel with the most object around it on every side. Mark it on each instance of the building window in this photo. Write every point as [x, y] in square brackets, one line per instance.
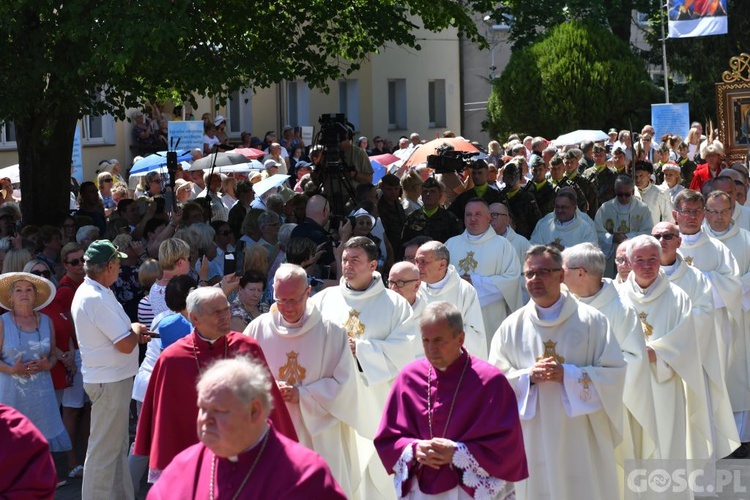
[297, 104]
[397, 104]
[436, 103]
[8, 135]
[239, 113]
[97, 130]
[349, 100]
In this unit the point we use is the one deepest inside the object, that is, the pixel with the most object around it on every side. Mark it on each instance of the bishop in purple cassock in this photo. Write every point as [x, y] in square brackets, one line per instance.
[451, 422]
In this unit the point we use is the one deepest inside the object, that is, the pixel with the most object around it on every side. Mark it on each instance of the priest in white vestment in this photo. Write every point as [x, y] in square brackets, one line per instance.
[657, 200]
[381, 330]
[584, 269]
[441, 283]
[313, 366]
[568, 373]
[619, 219]
[500, 223]
[725, 182]
[489, 263]
[403, 278]
[719, 224]
[665, 312]
[565, 226]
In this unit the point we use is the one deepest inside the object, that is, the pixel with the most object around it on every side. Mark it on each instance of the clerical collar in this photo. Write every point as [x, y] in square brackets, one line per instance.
[552, 312]
[624, 208]
[475, 237]
[671, 268]
[691, 239]
[205, 339]
[567, 222]
[439, 284]
[348, 286]
[721, 233]
[235, 458]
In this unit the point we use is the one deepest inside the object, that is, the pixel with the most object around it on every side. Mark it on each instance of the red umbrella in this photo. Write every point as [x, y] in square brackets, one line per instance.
[385, 159]
[250, 153]
[430, 148]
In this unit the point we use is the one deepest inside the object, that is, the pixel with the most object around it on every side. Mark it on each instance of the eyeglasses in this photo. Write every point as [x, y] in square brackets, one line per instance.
[542, 273]
[665, 236]
[624, 195]
[74, 262]
[291, 302]
[107, 180]
[495, 215]
[400, 283]
[693, 212]
[621, 260]
[45, 274]
[725, 211]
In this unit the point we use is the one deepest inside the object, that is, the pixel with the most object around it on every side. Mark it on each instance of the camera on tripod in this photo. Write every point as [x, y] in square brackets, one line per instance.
[449, 160]
[334, 129]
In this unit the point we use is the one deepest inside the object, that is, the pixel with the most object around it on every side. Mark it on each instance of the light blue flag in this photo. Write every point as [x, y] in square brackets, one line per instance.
[691, 18]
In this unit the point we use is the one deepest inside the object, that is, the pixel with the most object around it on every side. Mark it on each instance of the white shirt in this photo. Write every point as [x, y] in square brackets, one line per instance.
[100, 323]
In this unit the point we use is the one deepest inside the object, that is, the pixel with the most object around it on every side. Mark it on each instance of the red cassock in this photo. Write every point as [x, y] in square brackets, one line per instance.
[27, 471]
[484, 418]
[284, 470]
[167, 424]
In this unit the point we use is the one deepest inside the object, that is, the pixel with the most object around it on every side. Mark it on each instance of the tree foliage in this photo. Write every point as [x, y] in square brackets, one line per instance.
[577, 76]
[58, 59]
[701, 60]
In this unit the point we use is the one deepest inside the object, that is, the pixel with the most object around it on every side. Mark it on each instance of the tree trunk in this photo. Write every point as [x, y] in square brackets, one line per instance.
[45, 148]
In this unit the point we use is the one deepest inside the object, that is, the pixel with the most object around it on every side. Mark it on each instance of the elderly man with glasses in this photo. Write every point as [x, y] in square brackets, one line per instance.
[568, 372]
[619, 219]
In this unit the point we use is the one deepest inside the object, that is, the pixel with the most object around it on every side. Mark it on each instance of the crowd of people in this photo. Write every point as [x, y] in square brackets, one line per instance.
[445, 332]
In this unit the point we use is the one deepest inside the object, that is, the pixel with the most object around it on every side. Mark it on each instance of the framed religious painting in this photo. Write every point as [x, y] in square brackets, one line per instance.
[733, 109]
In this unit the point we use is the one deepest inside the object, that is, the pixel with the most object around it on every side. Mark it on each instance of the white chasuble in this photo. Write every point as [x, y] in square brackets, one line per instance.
[551, 231]
[658, 202]
[677, 382]
[314, 356]
[494, 269]
[571, 428]
[461, 294]
[639, 427]
[612, 217]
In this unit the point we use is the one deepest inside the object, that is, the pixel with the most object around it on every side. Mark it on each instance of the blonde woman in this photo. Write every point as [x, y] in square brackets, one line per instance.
[411, 184]
[693, 140]
[495, 152]
[106, 182]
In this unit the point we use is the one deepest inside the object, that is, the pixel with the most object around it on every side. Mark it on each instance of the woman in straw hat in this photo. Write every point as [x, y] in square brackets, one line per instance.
[27, 349]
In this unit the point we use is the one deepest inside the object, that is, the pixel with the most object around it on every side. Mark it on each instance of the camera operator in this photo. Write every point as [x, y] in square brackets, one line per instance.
[357, 158]
[324, 230]
[482, 189]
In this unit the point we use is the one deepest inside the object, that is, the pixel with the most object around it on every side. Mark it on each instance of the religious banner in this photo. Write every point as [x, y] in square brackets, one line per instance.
[691, 18]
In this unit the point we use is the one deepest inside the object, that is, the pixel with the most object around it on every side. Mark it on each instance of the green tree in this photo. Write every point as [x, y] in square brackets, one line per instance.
[579, 75]
[57, 58]
[701, 60]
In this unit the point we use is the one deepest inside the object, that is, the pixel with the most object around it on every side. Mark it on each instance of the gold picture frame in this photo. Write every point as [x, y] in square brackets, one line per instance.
[733, 109]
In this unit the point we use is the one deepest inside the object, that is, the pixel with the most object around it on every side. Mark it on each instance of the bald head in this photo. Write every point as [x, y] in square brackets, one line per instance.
[500, 217]
[317, 209]
[668, 234]
[404, 280]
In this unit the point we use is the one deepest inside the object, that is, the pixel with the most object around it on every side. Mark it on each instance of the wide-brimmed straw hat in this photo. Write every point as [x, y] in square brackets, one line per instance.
[45, 289]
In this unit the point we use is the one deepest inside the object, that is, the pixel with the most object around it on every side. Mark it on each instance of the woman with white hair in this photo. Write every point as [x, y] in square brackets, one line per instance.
[672, 179]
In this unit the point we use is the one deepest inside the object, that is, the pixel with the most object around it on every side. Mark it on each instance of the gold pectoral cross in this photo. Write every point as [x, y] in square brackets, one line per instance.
[689, 261]
[468, 264]
[585, 380]
[354, 327]
[550, 352]
[292, 372]
[647, 328]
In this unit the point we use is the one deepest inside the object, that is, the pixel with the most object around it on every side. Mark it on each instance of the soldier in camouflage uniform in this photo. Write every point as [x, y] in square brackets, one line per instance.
[431, 220]
[540, 187]
[572, 160]
[601, 176]
[559, 181]
[522, 204]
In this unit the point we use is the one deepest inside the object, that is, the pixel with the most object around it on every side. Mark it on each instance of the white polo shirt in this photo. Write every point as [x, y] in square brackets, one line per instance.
[100, 323]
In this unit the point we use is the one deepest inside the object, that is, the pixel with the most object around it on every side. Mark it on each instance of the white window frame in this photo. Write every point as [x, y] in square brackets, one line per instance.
[107, 136]
[397, 119]
[243, 122]
[6, 144]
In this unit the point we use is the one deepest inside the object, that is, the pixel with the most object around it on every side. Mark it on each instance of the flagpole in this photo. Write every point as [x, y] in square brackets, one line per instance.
[665, 68]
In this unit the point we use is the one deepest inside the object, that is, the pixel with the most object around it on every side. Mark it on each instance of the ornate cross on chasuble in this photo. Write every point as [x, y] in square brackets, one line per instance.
[648, 329]
[354, 327]
[468, 264]
[689, 261]
[550, 352]
[585, 381]
[292, 372]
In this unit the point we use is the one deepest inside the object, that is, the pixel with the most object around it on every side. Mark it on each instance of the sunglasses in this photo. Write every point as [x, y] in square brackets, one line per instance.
[74, 262]
[665, 236]
[44, 274]
[107, 180]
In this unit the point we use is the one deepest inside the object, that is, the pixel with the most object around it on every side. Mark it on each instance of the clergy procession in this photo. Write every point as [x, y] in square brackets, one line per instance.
[499, 331]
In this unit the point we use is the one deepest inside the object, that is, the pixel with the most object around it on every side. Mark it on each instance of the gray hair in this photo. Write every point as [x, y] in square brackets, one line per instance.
[442, 311]
[202, 235]
[587, 256]
[642, 241]
[198, 297]
[268, 217]
[92, 269]
[624, 180]
[286, 271]
[439, 249]
[84, 233]
[247, 378]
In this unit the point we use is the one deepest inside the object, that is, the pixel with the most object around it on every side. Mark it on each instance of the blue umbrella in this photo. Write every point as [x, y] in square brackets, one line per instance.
[379, 171]
[159, 159]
